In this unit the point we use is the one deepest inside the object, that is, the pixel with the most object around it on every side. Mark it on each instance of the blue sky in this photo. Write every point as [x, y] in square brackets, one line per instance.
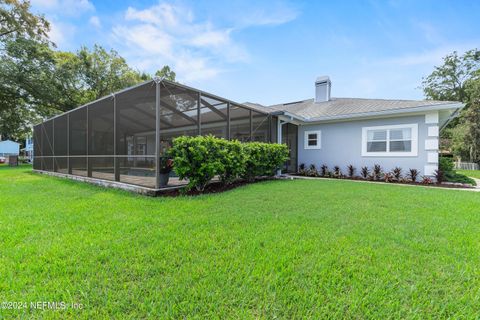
[272, 51]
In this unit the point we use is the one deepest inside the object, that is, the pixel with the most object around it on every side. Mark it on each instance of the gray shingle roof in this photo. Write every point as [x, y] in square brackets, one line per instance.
[345, 107]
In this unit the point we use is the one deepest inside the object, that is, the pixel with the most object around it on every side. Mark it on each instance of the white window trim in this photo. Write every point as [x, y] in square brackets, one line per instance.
[412, 153]
[319, 139]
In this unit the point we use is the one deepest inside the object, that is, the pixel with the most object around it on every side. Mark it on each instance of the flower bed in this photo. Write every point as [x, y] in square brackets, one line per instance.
[377, 174]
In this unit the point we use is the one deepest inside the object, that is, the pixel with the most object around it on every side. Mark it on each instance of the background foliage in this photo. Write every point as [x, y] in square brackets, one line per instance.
[458, 79]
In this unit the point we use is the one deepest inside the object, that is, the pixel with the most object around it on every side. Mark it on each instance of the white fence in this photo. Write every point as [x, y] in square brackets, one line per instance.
[467, 166]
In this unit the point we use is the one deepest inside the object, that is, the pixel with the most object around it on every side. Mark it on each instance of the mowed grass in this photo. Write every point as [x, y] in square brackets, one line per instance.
[470, 173]
[277, 249]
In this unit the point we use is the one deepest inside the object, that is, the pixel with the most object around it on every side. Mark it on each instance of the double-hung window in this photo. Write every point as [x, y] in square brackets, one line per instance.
[313, 139]
[393, 141]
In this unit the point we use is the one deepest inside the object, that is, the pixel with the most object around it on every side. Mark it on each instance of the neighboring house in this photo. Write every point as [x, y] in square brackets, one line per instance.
[123, 137]
[363, 132]
[9, 148]
[29, 148]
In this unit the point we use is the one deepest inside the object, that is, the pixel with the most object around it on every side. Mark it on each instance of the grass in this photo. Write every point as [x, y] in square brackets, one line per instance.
[277, 249]
[470, 173]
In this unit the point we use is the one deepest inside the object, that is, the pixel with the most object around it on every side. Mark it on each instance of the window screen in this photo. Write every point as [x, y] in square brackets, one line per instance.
[60, 134]
[136, 120]
[100, 127]
[78, 132]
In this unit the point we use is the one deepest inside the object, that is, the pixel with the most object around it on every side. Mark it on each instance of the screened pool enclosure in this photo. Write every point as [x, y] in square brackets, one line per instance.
[123, 137]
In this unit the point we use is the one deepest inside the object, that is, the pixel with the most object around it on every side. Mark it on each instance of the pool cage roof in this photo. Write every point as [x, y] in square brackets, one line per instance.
[124, 136]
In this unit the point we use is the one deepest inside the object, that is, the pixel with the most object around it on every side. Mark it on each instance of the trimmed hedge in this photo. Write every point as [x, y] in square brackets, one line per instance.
[263, 159]
[200, 158]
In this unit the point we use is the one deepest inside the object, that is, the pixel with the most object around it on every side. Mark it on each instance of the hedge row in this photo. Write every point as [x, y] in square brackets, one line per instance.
[200, 158]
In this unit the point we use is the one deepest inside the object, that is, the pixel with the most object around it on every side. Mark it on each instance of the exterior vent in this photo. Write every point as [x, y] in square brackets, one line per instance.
[323, 87]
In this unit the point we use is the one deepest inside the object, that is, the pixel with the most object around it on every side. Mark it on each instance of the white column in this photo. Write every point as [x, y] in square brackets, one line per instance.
[431, 143]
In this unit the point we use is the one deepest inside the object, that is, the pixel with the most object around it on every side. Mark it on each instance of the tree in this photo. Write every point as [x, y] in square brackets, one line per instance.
[88, 75]
[17, 20]
[166, 73]
[458, 79]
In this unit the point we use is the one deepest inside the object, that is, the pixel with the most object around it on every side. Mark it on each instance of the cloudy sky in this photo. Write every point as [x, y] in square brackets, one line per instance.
[272, 51]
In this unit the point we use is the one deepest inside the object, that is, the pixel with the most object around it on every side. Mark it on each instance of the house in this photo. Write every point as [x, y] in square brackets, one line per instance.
[9, 148]
[363, 132]
[29, 148]
[120, 140]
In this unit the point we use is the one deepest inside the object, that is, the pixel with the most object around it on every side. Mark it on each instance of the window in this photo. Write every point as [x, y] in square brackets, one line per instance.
[313, 140]
[393, 141]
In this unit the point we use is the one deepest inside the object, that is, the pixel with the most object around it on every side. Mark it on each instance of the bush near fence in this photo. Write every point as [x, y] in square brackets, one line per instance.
[200, 158]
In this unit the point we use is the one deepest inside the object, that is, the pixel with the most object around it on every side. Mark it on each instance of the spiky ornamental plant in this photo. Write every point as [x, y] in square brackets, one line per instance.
[365, 172]
[337, 173]
[377, 172]
[413, 174]
[351, 170]
[397, 173]
[439, 176]
[426, 180]
[312, 171]
[388, 177]
[324, 170]
[302, 169]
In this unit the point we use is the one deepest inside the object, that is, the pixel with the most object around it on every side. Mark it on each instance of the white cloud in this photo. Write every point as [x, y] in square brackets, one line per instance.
[95, 22]
[168, 33]
[272, 15]
[61, 33]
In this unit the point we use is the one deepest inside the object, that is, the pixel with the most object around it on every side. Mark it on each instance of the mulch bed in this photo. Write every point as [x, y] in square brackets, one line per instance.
[212, 187]
[435, 185]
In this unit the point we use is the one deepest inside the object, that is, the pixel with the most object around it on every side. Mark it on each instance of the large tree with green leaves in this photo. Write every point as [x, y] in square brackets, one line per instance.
[17, 20]
[458, 79]
[37, 82]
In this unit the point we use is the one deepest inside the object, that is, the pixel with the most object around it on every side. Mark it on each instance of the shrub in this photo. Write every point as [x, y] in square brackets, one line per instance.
[232, 158]
[397, 173]
[312, 171]
[376, 172]
[351, 170]
[459, 178]
[365, 172]
[388, 177]
[426, 180]
[439, 175]
[337, 173]
[324, 170]
[263, 159]
[413, 174]
[197, 159]
[302, 169]
[446, 164]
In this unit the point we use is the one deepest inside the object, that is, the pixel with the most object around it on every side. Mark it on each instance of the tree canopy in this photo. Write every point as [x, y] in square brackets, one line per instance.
[458, 79]
[17, 20]
[37, 81]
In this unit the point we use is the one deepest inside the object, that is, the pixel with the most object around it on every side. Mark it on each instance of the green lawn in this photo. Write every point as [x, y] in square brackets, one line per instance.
[277, 249]
[470, 173]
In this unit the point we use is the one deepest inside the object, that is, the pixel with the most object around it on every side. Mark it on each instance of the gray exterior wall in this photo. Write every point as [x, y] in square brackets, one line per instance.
[341, 144]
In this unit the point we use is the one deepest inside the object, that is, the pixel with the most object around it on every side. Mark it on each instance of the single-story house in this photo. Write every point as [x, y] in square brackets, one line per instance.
[363, 132]
[122, 138]
[9, 148]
